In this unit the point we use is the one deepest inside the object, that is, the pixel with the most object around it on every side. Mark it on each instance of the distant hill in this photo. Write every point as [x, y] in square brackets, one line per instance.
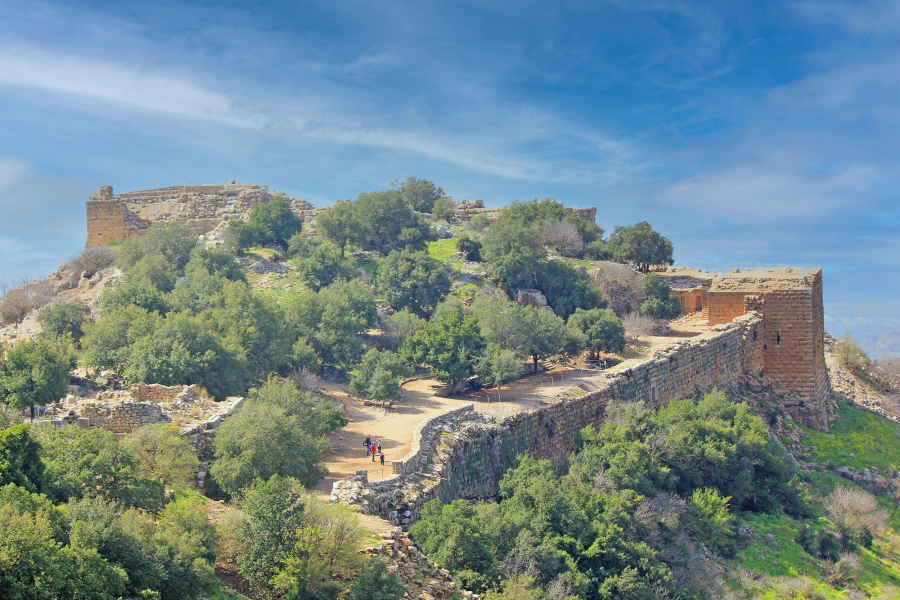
[874, 324]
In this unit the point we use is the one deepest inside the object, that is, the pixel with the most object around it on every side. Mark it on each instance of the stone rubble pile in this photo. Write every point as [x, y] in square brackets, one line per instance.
[421, 577]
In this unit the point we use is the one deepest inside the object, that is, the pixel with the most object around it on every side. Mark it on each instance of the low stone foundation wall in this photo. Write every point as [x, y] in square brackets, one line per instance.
[121, 417]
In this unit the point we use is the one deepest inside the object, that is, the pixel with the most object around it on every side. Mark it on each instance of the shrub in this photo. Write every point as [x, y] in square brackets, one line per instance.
[638, 325]
[479, 223]
[90, 260]
[658, 303]
[20, 462]
[712, 521]
[412, 280]
[399, 326]
[323, 267]
[562, 236]
[444, 209]
[850, 354]
[375, 582]
[844, 570]
[470, 247]
[64, 319]
[174, 241]
[621, 285]
[856, 514]
[16, 303]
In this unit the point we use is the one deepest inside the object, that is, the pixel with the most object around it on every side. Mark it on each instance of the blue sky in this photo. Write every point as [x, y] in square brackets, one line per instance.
[743, 131]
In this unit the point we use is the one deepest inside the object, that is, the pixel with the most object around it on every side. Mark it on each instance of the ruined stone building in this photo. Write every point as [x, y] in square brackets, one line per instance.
[790, 303]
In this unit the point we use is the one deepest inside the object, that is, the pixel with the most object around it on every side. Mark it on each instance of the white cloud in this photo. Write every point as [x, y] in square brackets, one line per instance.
[120, 84]
[879, 17]
[12, 171]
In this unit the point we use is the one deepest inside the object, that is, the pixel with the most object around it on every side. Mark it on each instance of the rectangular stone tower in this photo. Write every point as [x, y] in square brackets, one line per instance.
[790, 301]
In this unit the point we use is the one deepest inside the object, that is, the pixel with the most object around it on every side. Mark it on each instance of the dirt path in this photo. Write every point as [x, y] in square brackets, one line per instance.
[395, 427]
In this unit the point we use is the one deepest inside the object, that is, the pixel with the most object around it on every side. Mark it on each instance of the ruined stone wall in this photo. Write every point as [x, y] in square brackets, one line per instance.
[692, 300]
[472, 452]
[122, 417]
[724, 307]
[205, 208]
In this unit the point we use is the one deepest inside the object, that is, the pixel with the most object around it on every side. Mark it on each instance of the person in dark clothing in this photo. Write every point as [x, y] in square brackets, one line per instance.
[382, 459]
[378, 445]
[368, 444]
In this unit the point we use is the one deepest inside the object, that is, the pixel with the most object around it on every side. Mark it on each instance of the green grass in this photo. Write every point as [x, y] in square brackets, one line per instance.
[872, 439]
[442, 249]
[781, 557]
[466, 291]
[261, 251]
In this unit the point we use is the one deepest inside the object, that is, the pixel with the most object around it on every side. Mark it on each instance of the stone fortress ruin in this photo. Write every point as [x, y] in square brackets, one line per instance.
[764, 330]
[765, 334]
[208, 208]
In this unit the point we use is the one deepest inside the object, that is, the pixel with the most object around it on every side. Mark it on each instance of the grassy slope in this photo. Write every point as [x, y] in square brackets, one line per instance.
[872, 440]
[875, 441]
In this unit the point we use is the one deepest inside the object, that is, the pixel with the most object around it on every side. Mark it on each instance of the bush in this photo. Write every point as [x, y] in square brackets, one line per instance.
[638, 325]
[658, 303]
[844, 570]
[64, 319]
[479, 223]
[90, 260]
[270, 223]
[712, 521]
[375, 582]
[597, 250]
[562, 236]
[399, 326]
[850, 354]
[174, 241]
[566, 289]
[856, 514]
[323, 267]
[470, 247]
[35, 372]
[621, 285]
[16, 303]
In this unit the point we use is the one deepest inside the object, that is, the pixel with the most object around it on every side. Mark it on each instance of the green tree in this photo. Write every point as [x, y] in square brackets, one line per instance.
[712, 520]
[174, 241]
[640, 245]
[262, 440]
[164, 454]
[499, 365]
[64, 319]
[185, 350]
[340, 224]
[658, 303]
[375, 582]
[512, 254]
[378, 375]
[215, 261]
[412, 280]
[389, 223]
[850, 354]
[274, 222]
[323, 267]
[602, 329]
[20, 461]
[315, 414]
[108, 342]
[35, 372]
[566, 290]
[450, 343]
[93, 463]
[444, 209]
[419, 194]
[544, 334]
[275, 508]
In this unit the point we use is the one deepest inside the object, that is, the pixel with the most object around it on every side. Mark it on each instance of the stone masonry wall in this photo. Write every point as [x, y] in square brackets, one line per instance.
[471, 452]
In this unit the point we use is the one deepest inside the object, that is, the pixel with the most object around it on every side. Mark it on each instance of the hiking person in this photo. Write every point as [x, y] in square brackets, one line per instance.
[373, 452]
[367, 444]
[382, 459]
[379, 446]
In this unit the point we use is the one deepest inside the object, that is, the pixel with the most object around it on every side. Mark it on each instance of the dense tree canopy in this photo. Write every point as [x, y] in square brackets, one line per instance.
[174, 241]
[412, 280]
[419, 194]
[35, 372]
[512, 254]
[450, 343]
[658, 304]
[270, 223]
[640, 245]
[64, 319]
[602, 329]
